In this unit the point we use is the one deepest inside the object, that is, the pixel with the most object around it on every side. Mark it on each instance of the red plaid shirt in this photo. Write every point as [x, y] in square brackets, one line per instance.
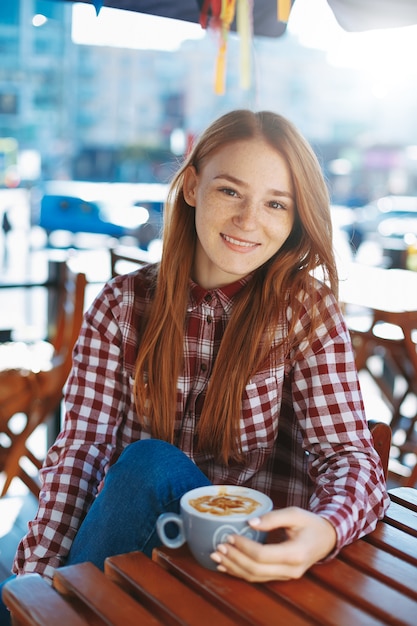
[303, 427]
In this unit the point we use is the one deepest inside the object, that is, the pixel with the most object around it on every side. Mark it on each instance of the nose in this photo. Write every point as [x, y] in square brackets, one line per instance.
[246, 216]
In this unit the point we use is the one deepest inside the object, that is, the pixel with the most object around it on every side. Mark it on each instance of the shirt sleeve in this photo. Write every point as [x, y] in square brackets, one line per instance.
[346, 471]
[75, 464]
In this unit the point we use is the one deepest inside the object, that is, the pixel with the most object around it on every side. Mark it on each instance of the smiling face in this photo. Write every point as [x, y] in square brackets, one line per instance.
[244, 210]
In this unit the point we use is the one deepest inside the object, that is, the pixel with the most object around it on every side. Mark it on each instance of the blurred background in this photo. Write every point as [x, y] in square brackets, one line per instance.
[98, 105]
[116, 98]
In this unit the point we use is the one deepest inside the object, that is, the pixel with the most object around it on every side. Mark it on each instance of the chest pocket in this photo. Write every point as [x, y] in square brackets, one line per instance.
[261, 404]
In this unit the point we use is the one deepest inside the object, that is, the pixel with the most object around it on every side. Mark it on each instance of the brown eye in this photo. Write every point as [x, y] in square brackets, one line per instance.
[277, 205]
[228, 191]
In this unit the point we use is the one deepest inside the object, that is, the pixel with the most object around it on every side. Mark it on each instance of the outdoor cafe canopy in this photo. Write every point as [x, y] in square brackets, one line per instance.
[264, 18]
[352, 15]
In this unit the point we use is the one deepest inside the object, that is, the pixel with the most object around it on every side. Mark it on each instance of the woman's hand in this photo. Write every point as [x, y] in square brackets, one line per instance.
[309, 538]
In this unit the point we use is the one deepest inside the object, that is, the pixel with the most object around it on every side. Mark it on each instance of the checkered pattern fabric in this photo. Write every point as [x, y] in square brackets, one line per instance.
[303, 428]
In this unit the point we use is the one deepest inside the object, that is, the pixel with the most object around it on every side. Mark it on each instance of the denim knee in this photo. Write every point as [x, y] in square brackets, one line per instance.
[155, 464]
[148, 479]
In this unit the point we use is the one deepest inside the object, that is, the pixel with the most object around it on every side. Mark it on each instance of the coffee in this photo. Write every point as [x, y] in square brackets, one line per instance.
[210, 515]
[224, 504]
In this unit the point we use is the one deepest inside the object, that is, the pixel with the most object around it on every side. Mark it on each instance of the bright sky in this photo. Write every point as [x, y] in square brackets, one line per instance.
[386, 56]
[314, 23]
[126, 29]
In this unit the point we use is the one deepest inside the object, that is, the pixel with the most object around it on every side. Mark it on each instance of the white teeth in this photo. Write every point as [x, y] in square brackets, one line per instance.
[235, 242]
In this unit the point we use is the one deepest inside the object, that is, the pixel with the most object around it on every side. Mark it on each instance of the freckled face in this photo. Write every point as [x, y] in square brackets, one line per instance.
[244, 210]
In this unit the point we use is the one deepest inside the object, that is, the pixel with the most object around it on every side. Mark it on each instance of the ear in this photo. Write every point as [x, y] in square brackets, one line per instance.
[190, 185]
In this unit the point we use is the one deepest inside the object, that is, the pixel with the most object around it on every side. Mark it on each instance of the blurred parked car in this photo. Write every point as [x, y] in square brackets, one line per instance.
[391, 222]
[114, 209]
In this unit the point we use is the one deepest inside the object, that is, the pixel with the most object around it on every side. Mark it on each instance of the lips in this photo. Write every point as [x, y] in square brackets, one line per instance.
[239, 243]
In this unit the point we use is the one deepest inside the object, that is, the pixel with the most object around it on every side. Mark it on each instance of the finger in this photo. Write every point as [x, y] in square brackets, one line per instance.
[308, 539]
[235, 563]
[286, 553]
[279, 518]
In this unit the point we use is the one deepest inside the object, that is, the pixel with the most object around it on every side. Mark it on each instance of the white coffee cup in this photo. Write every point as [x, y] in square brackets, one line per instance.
[208, 515]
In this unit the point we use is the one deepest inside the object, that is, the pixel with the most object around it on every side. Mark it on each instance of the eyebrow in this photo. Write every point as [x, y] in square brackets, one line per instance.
[275, 192]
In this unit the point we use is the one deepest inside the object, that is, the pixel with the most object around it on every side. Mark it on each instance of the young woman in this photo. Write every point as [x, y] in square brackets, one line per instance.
[227, 362]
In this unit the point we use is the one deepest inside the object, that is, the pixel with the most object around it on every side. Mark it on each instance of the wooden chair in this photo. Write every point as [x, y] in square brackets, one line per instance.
[124, 259]
[381, 434]
[392, 337]
[35, 389]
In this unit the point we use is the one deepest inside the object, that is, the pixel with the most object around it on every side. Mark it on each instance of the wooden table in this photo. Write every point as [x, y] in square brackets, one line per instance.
[381, 313]
[388, 297]
[373, 581]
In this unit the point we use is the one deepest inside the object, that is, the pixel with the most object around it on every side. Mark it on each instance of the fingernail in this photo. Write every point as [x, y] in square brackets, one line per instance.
[222, 548]
[255, 521]
[216, 557]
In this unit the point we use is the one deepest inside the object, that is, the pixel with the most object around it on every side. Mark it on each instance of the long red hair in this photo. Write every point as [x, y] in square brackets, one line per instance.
[261, 304]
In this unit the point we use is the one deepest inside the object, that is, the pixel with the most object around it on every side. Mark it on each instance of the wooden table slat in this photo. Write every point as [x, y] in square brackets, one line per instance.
[159, 592]
[373, 596]
[401, 517]
[318, 602]
[34, 603]
[93, 593]
[406, 496]
[241, 600]
[394, 541]
[388, 568]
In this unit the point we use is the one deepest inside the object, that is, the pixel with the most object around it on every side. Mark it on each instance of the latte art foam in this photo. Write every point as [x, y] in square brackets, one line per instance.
[224, 504]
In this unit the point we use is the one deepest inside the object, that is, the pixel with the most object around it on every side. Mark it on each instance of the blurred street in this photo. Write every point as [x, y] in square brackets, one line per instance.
[25, 259]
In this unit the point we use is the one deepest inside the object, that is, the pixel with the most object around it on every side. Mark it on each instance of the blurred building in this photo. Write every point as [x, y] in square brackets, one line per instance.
[37, 78]
[106, 113]
[129, 103]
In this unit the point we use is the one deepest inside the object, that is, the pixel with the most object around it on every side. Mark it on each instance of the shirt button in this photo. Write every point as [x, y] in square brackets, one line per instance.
[203, 367]
[208, 297]
[209, 319]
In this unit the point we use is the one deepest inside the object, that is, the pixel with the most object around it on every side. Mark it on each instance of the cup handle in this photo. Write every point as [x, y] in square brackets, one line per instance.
[162, 521]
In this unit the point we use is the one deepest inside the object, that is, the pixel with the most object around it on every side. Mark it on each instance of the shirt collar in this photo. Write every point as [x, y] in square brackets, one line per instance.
[224, 295]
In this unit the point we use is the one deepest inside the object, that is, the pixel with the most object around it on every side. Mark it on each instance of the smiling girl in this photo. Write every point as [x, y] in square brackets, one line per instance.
[228, 362]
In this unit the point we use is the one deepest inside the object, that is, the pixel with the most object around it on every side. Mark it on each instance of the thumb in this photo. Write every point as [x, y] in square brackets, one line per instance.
[279, 518]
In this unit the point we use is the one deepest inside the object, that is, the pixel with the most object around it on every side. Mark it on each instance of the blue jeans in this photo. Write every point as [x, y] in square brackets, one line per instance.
[148, 479]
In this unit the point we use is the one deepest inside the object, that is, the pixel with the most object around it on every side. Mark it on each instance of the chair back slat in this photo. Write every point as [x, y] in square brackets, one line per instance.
[124, 259]
[381, 434]
[36, 391]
